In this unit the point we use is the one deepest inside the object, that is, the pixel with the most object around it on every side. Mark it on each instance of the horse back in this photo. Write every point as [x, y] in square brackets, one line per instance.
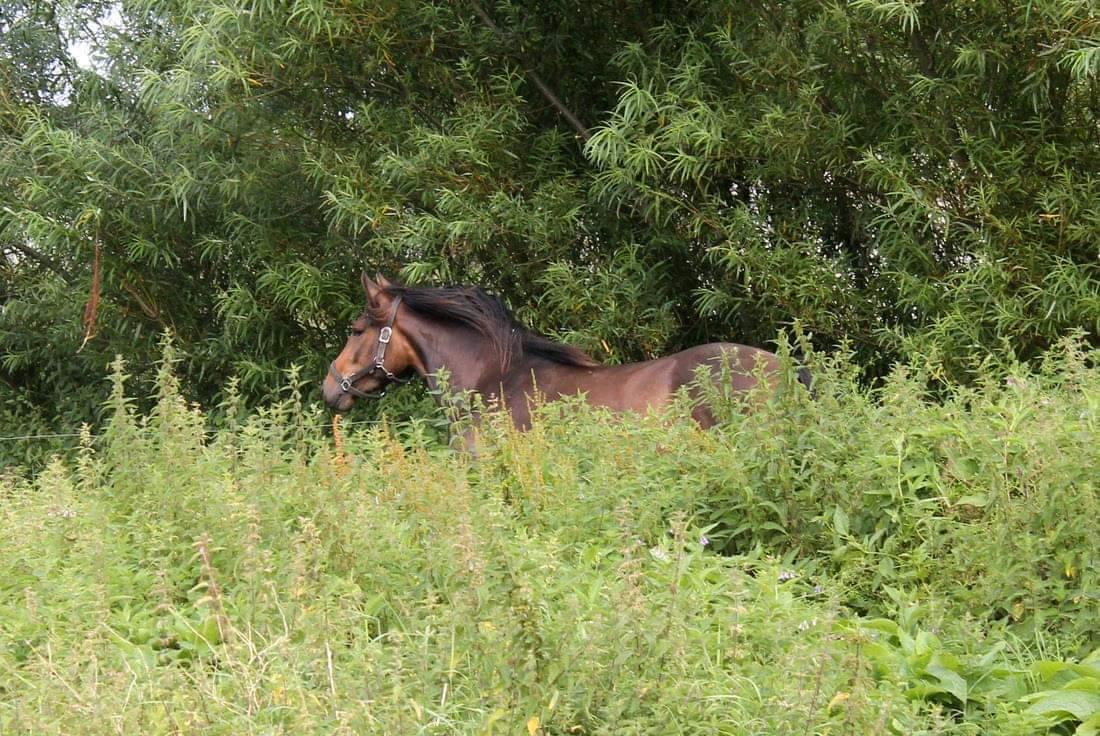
[646, 384]
[747, 365]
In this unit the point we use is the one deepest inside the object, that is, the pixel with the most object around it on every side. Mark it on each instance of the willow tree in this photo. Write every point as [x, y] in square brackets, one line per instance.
[906, 177]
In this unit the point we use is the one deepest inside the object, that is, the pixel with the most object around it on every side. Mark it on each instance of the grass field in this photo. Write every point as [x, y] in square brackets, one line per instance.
[864, 563]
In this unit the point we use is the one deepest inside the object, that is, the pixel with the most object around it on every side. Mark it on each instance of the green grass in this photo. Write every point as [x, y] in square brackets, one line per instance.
[858, 564]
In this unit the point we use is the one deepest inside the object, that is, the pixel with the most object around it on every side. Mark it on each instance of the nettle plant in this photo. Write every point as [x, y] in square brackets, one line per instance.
[836, 564]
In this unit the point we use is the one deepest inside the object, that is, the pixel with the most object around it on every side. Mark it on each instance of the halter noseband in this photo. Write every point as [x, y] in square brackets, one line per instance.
[347, 383]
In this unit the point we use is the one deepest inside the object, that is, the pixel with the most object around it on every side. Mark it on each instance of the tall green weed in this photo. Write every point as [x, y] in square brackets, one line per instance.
[889, 564]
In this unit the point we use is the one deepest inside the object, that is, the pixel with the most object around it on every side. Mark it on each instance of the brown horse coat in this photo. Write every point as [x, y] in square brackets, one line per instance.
[470, 335]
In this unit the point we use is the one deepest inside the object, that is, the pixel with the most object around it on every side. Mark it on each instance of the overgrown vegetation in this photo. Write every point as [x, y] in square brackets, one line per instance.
[863, 563]
[913, 183]
[912, 178]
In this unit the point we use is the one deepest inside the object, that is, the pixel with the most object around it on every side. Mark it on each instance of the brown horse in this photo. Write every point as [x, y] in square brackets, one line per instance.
[408, 330]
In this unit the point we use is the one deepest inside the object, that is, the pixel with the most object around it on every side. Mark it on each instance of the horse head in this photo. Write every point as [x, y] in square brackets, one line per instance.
[376, 353]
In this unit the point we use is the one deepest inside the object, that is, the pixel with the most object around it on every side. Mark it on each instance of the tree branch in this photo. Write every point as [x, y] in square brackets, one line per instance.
[547, 93]
[39, 258]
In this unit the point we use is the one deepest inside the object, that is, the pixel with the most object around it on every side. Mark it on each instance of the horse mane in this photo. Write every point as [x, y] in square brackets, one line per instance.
[477, 309]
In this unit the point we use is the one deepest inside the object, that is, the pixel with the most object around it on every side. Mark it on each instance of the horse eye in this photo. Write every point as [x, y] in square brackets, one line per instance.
[356, 332]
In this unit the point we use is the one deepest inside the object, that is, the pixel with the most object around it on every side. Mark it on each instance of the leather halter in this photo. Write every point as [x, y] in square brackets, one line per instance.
[347, 383]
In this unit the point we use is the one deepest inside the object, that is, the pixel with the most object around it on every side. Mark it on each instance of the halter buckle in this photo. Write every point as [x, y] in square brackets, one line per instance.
[345, 385]
[385, 334]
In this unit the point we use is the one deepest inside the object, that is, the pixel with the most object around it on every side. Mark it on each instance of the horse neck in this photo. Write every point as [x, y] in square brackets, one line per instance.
[465, 354]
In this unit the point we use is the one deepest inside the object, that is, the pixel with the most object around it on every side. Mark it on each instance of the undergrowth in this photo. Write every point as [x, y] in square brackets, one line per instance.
[861, 563]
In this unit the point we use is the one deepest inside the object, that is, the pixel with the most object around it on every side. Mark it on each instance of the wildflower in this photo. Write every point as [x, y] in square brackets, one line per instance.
[658, 554]
[704, 541]
[785, 575]
[818, 590]
[807, 625]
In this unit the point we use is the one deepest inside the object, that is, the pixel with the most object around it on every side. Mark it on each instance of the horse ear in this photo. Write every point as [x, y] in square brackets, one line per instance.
[373, 290]
[382, 281]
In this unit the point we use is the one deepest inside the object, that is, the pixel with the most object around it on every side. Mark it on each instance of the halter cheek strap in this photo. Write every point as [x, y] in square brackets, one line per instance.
[347, 383]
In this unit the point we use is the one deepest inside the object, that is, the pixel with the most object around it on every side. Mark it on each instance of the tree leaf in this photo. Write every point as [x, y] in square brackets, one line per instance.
[1063, 705]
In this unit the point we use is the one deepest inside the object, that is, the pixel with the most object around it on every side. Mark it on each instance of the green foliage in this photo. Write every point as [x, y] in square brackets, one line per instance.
[269, 576]
[613, 309]
[984, 500]
[1018, 698]
[904, 178]
[891, 173]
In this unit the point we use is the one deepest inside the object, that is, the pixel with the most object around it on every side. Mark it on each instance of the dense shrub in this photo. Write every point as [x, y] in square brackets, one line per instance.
[891, 564]
[907, 177]
[984, 498]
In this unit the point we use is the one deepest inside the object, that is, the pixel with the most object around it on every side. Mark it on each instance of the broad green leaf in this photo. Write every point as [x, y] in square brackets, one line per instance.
[951, 681]
[840, 521]
[1089, 727]
[1065, 704]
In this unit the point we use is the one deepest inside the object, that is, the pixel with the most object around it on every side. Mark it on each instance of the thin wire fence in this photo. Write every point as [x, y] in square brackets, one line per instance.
[98, 435]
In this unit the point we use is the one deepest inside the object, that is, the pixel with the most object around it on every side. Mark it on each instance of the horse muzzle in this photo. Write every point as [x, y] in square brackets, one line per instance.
[335, 399]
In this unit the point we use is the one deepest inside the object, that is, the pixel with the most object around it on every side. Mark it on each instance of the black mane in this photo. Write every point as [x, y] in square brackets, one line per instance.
[475, 308]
